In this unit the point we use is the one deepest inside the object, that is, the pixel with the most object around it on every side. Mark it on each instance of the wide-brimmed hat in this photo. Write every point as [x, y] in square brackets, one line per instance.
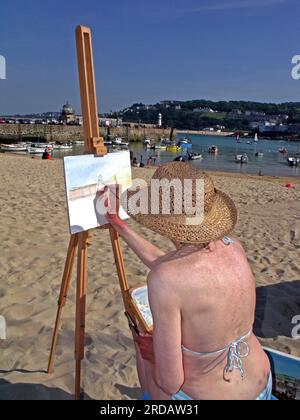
[219, 215]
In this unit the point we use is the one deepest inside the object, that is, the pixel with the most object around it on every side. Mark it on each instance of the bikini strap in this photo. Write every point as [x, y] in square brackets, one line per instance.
[237, 351]
[228, 241]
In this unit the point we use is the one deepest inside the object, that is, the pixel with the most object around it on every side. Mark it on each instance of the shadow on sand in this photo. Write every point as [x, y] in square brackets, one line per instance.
[22, 391]
[132, 393]
[276, 306]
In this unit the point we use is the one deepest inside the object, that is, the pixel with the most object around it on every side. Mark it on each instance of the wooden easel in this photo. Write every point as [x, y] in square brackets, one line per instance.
[79, 242]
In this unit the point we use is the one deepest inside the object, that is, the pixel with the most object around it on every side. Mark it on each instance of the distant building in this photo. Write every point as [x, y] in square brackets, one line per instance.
[203, 110]
[68, 114]
[166, 104]
[110, 122]
[268, 127]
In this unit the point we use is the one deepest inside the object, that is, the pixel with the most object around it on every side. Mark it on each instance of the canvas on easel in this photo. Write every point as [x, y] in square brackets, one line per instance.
[86, 176]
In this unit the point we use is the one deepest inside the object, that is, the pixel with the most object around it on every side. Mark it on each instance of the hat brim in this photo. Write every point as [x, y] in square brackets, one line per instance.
[219, 222]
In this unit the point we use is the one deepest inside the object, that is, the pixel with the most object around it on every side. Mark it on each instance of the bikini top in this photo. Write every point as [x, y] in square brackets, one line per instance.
[237, 350]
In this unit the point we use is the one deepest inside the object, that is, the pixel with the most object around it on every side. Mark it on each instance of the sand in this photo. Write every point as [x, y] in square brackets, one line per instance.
[33, 246]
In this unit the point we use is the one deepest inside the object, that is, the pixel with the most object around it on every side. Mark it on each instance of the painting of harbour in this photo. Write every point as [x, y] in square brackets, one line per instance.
[86, 176]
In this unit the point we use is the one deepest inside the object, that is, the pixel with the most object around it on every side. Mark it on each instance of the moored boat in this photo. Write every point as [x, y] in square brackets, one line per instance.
[242, 158]
[61, 146]
[118, 141]
[294, 161]
[20, 147]
[181, 159]
[36, 149]
[173, 148]
[195, 156]
[259, 154]
[65, 146]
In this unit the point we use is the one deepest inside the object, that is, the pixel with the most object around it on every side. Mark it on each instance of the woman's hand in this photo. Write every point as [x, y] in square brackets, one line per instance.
[145, 344]
[111, 201]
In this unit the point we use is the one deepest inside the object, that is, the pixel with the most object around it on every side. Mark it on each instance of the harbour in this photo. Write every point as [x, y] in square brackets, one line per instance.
[264, 156]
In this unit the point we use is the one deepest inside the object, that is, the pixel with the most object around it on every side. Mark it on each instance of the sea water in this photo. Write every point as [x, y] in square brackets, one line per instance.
[273, 163]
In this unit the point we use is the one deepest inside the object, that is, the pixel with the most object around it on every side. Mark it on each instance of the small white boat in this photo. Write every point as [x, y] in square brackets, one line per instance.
[293, 161]
[78, 143]
[195, 156]
[62, 146]
[259, 154]
[21, 147]
[118, 141]
[65, 147]
[242, 158]
[282, 150]
[36, 149]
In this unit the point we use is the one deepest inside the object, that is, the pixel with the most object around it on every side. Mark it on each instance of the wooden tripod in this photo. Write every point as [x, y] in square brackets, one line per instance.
[79, 242]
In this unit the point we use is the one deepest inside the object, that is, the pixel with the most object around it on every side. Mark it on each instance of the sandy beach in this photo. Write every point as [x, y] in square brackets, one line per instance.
[33, 247]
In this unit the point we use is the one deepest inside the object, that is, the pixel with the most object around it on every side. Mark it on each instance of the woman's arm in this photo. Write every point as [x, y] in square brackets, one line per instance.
[168, 362]
[146, 252]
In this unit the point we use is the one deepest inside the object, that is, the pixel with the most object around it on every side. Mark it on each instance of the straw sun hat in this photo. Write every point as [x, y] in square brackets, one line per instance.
[220, 213]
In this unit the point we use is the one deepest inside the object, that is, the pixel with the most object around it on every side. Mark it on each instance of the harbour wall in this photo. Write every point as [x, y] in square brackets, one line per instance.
[63, 133]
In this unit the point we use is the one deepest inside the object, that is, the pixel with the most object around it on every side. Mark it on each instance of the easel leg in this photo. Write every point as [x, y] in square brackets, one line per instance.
[80, 308]
[116, 246]
[63, 297]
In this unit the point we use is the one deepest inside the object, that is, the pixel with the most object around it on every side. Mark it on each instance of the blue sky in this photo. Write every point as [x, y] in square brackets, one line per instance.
[149, 51]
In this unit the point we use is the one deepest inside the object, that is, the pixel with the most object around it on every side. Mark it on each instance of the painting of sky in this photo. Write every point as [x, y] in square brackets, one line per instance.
[85, 177]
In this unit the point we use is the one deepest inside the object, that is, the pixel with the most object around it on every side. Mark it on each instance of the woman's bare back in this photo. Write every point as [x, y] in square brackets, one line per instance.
[216, 296]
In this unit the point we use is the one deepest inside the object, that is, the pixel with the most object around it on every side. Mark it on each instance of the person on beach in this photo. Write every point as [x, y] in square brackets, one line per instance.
[149, 161]
[202, 297]
[46, 154]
